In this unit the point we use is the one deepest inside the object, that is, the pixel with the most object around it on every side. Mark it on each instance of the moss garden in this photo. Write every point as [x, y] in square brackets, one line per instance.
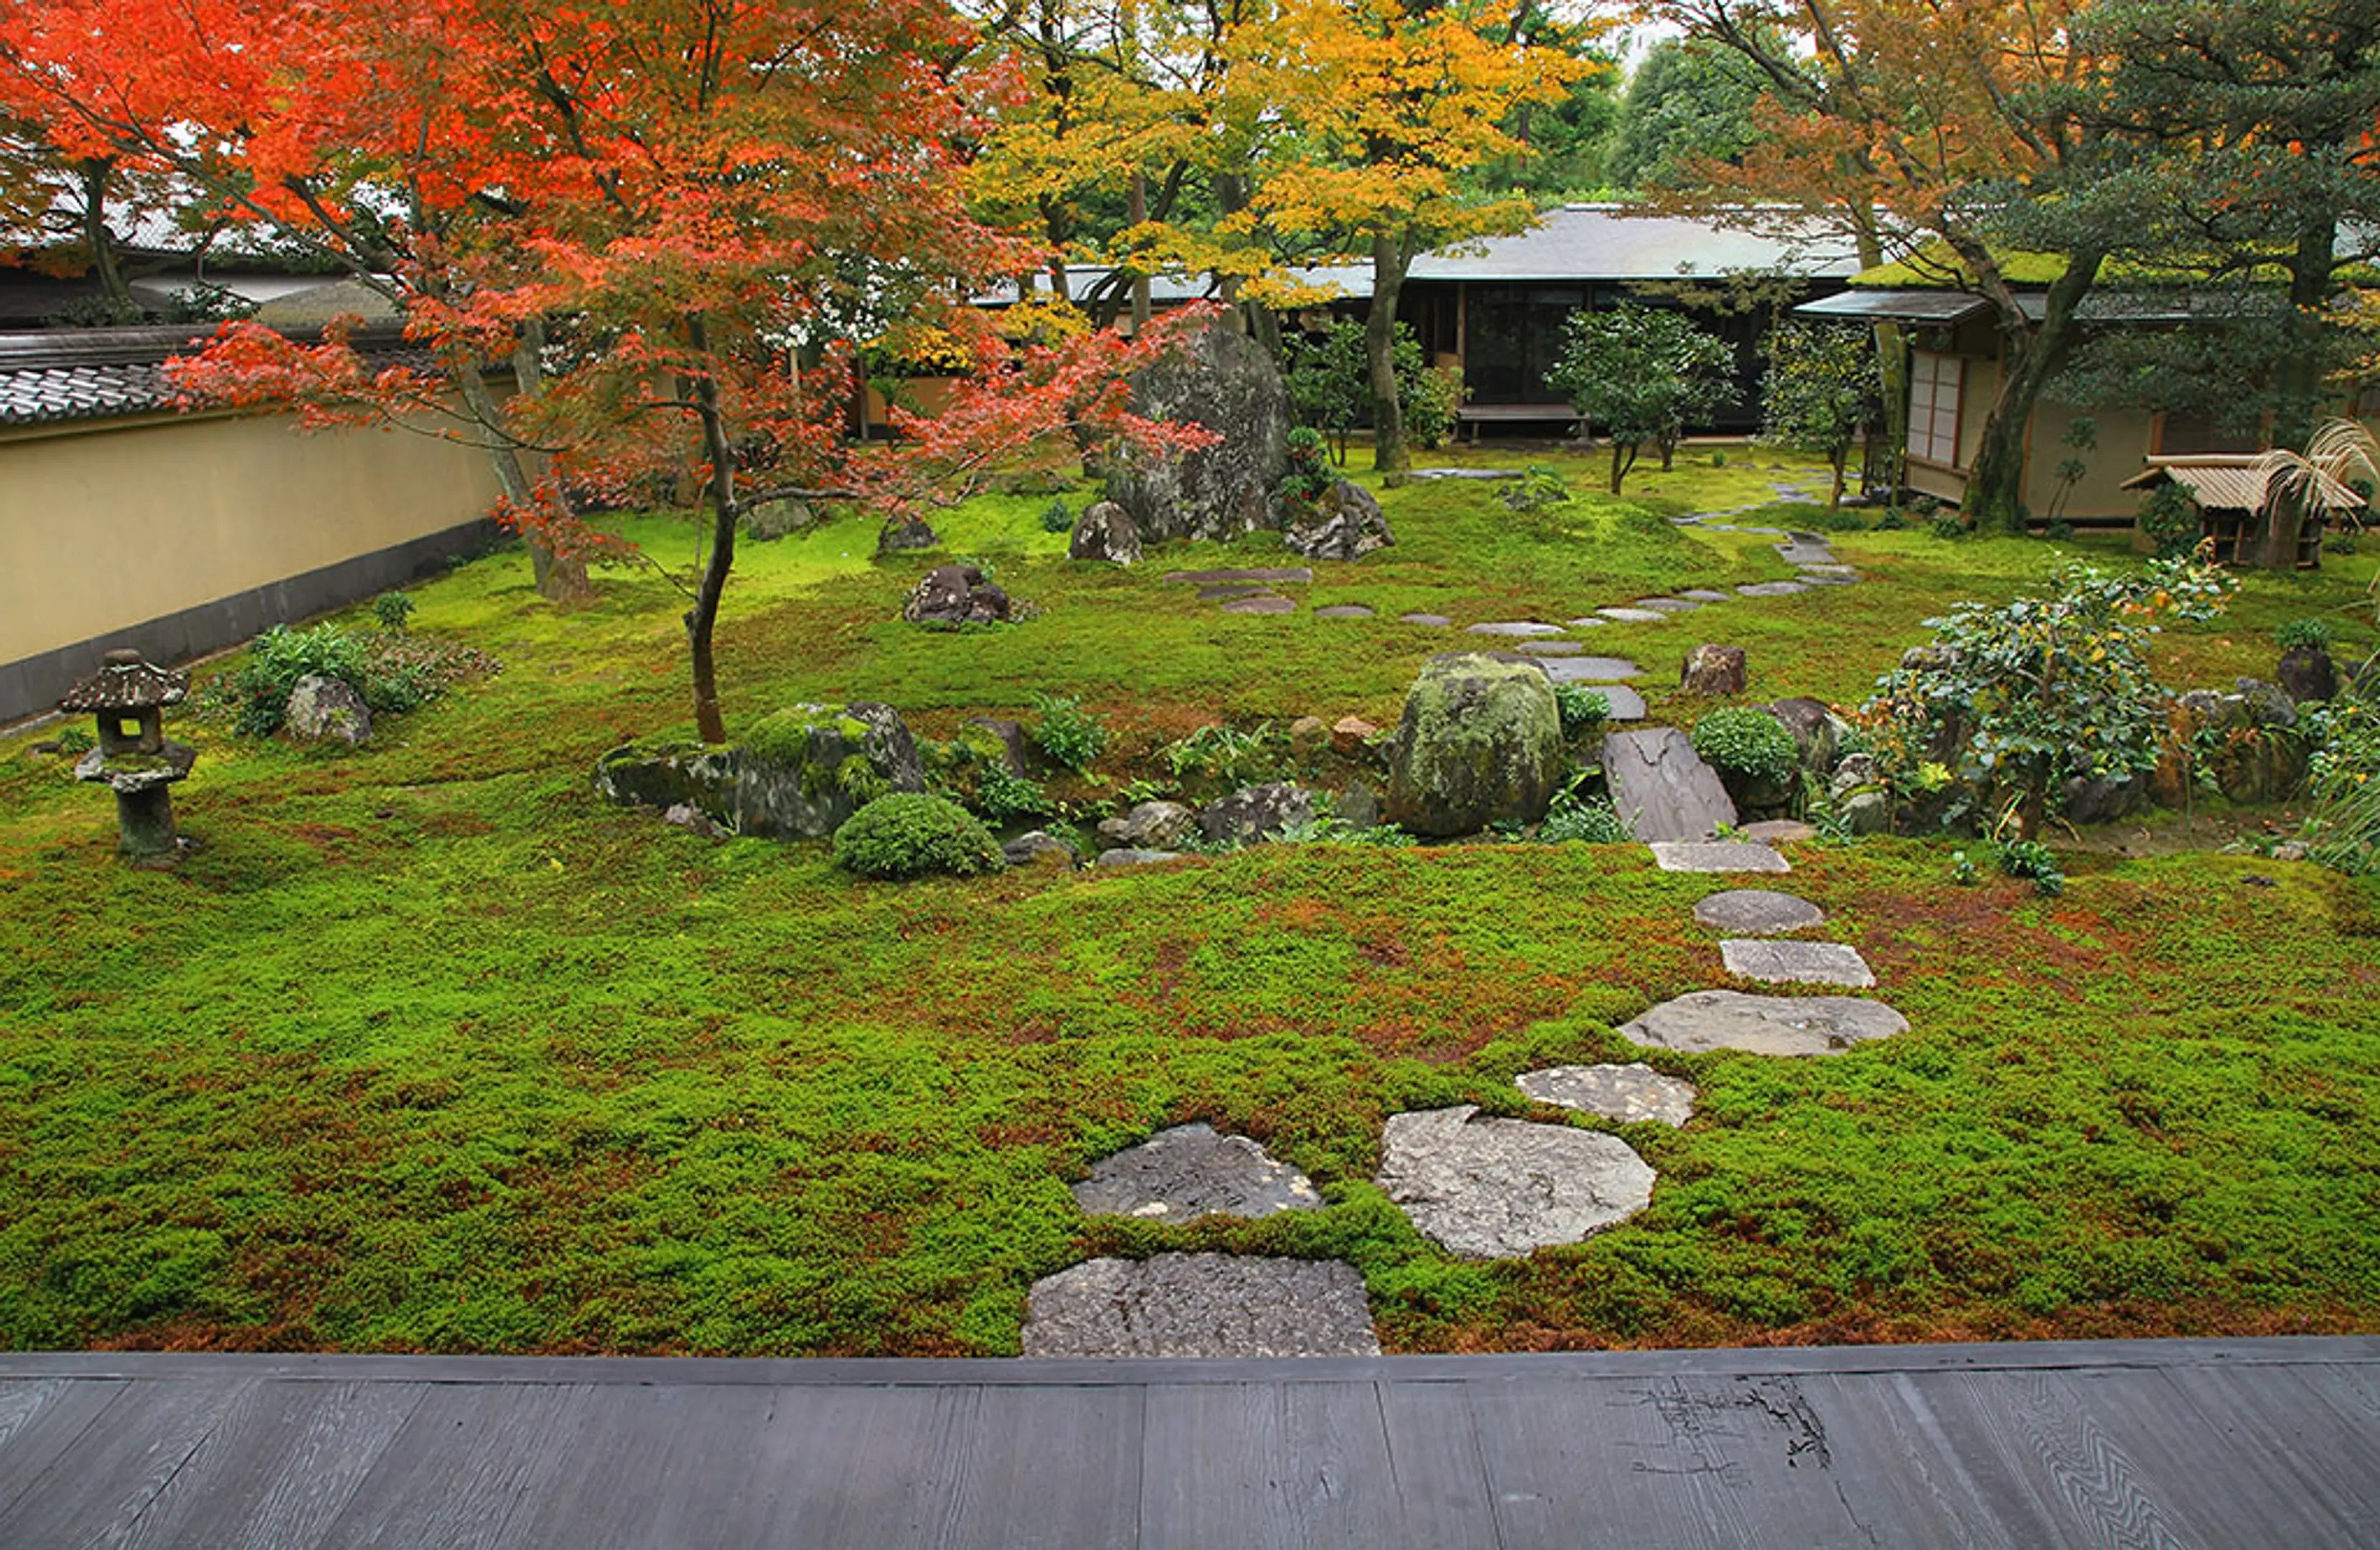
[427, 1048]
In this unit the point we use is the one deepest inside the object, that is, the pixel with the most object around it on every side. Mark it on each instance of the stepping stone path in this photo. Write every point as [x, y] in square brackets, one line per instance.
[1707, 1020]
[1189, 1171]
[1550, 648]
[1264, 602]
[1771, 588]
[1704, 595]
[1797, 963]
[1593, 670]
[1778, 832]
[1516, 627]
[1758, 912]
[1300, 575]
[1434, 621]
[1201, 1305]
[1806, 548]
[1499, 1189]
[1661, 788]
[1344, 611]
[1633, 1094]
[1634, 615]
[1717, 856]
[1667, 605]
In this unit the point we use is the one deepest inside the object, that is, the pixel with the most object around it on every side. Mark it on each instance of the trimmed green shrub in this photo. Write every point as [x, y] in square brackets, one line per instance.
[910, 834]
[1070, 735]
[391, 609]
[2315, 633]
[1583, 709]
[2169, 518]
[1056, 518]
[1748, 742]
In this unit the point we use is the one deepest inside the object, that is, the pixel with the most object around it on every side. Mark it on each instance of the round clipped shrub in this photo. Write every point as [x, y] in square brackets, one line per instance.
[1747, 742]
[909, 835]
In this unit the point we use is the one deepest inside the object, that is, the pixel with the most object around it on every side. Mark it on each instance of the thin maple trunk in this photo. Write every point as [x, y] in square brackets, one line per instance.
[559, 577]
[1137, 212]
[1390, 262]
[2031, 355]
[100, 240]
[702, 619]
[1892, 366]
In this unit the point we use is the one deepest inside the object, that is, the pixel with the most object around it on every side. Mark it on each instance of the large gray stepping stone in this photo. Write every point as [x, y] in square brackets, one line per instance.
[1778, 832]
[1229, 590]
[1772, 588]
[1209, 578]
[1201, 1305]
[1634, 615]
[1516, 627]
[1704, 595]
[1812, 573]
[1667, 605]
[1344, 611]
[1463, 473]
[1707, 1020]
[1590, 623]
[1758, 912]
[1725, 855]
[1821, 578]
[1499, 1189]
[1182, 1174]
[1661, 787]
[1797, 963]
[1633, 1094]
[1436, 621]
[1626, 704]
[1264, 603]
[1593, 669]
[1551, 648]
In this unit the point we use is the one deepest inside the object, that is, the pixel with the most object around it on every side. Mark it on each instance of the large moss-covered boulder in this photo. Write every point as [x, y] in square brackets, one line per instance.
[1226, 382]
[1481, 743]
[670, 775]
[807, 768]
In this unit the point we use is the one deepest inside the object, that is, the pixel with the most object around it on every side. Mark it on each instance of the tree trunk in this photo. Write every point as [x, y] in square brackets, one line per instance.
[2031, 355]
[559, 577]
[1891, 365]
[1624, 457]
[1137, 212]
[2297, 383]
[100, 240]
[1390, 258]
[1835, 496]
[702, 619]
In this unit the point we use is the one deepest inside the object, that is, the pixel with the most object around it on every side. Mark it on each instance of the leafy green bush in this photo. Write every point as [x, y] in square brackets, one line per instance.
[1226, 753]
[1751, 742]
[1310, 476]
[1588, 821]
[1002, 795]
[1537, 488]
[2059, 532]
[2030, 861]
[910, 834]
[2344, 831]
[391, 609]
[1072, 737]
[1891, 521]
[1583, 709]
[2297, 633]
[1056, 518]
[75, 742]
[258, 688]
[1428, 398]
[1947, 524]
[2169, 518]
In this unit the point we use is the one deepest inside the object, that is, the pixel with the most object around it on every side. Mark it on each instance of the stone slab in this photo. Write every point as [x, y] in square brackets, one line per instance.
[1667, 605]
[1421, 474]
[1551, 648]
[1500, 1189]
[1724, 856]
[1704, 595]
[1516, 627]
[1229, 590]
[1797, 963]
[1813, 572]
[1633, 1094]
[1262, 603]
[1634, 615]
[1802, 551]
[1201, 1305]
[1758, 912]
[1778, 832]
[1344, 611]
[1817, 578]
[1125, 855]
[1772, 588]
[1661, 787]
[1626, 704]
[1707, 1020]
[1590, 623]
[1596, 670]
[1299, 574]
[1189, 1171]
[1435, 621]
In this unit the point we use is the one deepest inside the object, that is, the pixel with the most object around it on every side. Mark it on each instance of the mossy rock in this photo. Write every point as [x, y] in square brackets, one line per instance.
[1481, 743]
[807, 768]
[668, 774]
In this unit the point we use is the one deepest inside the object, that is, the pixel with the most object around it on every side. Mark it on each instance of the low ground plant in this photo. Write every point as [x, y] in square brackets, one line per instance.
[911, 834]
[1072, 737]
[1750, 743]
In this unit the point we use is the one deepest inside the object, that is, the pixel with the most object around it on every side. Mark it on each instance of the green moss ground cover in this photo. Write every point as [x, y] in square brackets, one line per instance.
[428, 1051]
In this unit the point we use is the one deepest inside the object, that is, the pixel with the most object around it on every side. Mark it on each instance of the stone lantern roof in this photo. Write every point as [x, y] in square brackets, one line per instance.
[124, 682]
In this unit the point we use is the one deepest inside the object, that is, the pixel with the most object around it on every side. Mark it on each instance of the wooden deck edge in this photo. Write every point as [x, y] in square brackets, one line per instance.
[1749, 1363]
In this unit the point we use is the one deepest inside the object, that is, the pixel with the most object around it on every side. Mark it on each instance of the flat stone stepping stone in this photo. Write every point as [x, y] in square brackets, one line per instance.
[1241, 590]
[1667, 605]
[1463, 473]
[1300, 574]
[1632, 1094]
[1805, 552]
[1772, 588]
[1201, 1305]
[1634, 615]
[1189, 1171]
[1764, 532]
[1778, 832]
[1590, 623]
[1816, 579]
[1661, 787]
[1436, 621]
[1516, 627]
[1797, 963]
[1262, 603]
[1126, 855]
[1344, 611]
[1811, 573]
[1593, 670]
[1758, 912]
[1707, 1020]
[1717, 856]
[1550, 648]
[1704, 595]
[1499, 1189]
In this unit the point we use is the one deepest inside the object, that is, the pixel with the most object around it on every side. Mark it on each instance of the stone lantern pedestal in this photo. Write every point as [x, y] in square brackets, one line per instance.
[134, 758]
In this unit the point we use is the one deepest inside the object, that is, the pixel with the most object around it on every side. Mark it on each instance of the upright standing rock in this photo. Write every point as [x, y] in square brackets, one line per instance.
[1481, 742]
[1345, 524]
[1224, 380]
[1106, 532]
[1713, 669]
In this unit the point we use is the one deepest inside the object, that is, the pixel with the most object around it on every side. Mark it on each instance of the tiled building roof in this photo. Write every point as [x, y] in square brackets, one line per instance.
[107, 373]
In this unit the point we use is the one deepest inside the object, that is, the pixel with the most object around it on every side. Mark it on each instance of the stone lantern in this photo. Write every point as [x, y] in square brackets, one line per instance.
[136, 759]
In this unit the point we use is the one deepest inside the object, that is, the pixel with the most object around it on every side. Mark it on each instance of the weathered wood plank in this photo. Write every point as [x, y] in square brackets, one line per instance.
[461, 1466]
[1435, 1464]
[280, 1466]
[1255, 1466]
[41, 1421]
[2305, 1421]
[97, 1491]
[1051, 1469]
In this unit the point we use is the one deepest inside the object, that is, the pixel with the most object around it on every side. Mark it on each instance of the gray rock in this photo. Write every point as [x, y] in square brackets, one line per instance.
[1007, 733]
[1038, 847]
[1707, 1020]
[1634, 615]
[905, 536]
[1264, 602]
[2104, 799]
[1182, 1174]
[323, 709]
[1133, 856]
[803, 770]
[1797, 963]
[1344, 611]
[1771, 588]
[1425, 475]
[1632, 1094]
[1802, 551]
[694, 820]
[1777, 832]
[1106, 533]
[1592, 669]
[774, 519]
[2267, 705]
[1758, 912]
[1150, 826]
[1256, 813]
[1551, 648]
[1715, 856]
[1588, 622]
[1229, 590]
[1430, 621]
[1864, 812]
[1626, 704]
[1704, 595]
[682, 775]
[1272, 575]
[1712, 670]
[1500, 1189]
[1226, 382]
[1667, 605]
[1359, 806]
[1209, 1306]
[1661, 788]
[1516, 627]
[1828, 578]
[1345, 524]
[1813, 726]
[2306, 672]
[955, 595]
[1480, 742]
[1856, 772]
